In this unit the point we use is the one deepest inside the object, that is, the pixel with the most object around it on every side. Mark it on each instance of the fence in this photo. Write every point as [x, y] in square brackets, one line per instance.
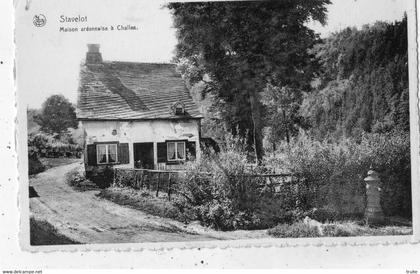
[164, 181]
[153, 180]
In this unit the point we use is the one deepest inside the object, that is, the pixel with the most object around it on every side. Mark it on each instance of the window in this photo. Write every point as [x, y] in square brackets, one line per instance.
[107, 153]
[176, 151]
[178, 108]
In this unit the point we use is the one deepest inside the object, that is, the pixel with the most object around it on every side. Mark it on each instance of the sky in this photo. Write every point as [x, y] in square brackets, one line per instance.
[48, 60]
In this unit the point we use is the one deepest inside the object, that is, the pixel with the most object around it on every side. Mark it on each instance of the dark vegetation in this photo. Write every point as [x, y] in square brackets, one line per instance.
[325, 110]
[220, 191]
[332, 173]
[362, 82]
[329, 187]
[43, 233]
[76, 178]
[52, 134]
[101, 176]
[232, 50]
[56, 115]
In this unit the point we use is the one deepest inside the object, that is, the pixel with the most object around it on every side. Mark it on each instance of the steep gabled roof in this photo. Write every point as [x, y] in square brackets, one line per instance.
[131, 91]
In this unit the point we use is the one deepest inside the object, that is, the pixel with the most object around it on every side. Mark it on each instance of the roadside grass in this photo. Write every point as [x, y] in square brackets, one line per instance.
[43, 233]
[304, 229]
[146, 201]
[55, 162]
[143, 200]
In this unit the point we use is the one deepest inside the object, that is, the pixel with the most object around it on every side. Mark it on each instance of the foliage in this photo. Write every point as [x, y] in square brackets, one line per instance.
[220, 191]
[282, 113]
[43, 233]
[295, 230]
[124, 178]
[44, 145]
[237, 48]
[34, 164]
[335, 229]
[144, 201]
[332, 172]
[57, 115]
[102, 176]
[363, 82]
[76, 178]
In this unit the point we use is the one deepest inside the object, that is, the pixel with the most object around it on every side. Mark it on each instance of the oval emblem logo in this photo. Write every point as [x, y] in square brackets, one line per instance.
[39, 20]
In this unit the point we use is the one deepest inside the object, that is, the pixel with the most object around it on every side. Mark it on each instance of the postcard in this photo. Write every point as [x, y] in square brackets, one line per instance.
[151, 124]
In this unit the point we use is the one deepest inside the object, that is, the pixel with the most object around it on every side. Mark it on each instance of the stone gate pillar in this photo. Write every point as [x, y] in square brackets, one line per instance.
[373, 211]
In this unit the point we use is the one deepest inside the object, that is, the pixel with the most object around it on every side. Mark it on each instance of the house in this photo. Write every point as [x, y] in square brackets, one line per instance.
[136, 115]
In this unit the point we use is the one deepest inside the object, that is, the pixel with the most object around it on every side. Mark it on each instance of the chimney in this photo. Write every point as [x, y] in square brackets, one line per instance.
[93, 56]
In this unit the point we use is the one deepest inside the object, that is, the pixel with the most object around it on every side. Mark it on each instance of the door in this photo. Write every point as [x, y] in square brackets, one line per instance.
[143, 155]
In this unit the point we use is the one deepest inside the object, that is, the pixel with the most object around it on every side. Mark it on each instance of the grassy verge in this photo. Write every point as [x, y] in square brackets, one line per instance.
[144, 201]
[55, 162]
[43, 233]
[160, 206]
[304, 229]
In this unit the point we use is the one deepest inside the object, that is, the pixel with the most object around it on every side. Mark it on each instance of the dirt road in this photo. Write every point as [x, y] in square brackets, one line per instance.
[85, 218]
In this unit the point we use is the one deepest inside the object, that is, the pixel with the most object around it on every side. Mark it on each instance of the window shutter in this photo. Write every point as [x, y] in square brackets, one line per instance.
[191, 150]
[91, 155]
[123, 153]
[161, 153]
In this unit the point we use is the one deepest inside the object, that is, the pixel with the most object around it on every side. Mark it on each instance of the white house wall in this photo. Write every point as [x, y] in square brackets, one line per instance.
[142, 131]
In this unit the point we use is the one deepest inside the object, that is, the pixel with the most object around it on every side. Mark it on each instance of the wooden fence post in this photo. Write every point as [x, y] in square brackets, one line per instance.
[169, 186]
[135, 180]
[115, 175]
[157, 185]
[141, 179]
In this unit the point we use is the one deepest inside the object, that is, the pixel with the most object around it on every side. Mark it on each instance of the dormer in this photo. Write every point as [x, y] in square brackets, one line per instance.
[178, 108]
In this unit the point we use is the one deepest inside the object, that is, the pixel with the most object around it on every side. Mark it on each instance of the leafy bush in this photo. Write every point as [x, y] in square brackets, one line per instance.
[76, 178]
[102, 176]
[332, 173]
[220, 191]
[43, 233]
[34, 164]
[124, 178]
[295, 230]
[45, 145]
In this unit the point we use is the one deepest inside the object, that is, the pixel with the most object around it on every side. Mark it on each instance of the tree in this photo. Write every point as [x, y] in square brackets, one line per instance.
[363, 82]
[57, 115]
[237, 48]
[282, 113]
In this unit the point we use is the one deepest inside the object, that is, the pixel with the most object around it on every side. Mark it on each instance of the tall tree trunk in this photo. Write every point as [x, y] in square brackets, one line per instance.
[286, 126]
[256, 125]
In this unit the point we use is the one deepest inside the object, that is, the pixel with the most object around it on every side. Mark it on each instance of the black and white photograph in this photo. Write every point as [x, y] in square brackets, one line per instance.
[183, 122]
